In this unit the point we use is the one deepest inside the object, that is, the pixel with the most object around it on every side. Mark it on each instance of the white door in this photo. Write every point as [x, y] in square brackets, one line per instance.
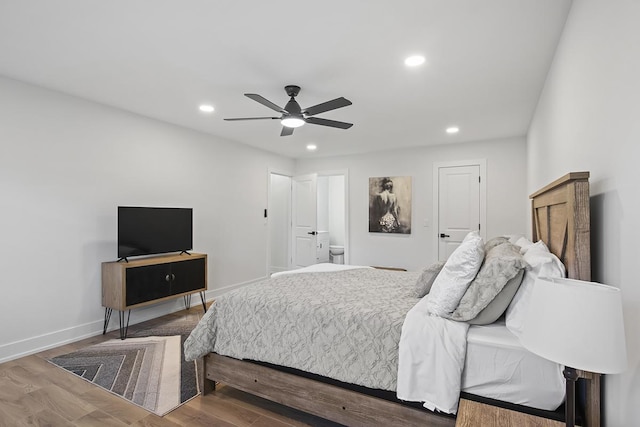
[458, 206]
[304, 220]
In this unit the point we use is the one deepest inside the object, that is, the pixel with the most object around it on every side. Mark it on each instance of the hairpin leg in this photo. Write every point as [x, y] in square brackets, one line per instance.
[204, 304]
[107, 317]
[124, 328]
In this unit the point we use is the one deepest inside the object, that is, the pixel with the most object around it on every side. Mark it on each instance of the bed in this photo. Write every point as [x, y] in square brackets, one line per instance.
[353, 389]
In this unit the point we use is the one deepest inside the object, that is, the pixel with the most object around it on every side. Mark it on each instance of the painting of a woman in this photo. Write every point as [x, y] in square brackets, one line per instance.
[387, 213]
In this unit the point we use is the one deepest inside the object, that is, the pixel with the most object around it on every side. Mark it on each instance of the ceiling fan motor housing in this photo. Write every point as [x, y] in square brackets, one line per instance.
[292, 90]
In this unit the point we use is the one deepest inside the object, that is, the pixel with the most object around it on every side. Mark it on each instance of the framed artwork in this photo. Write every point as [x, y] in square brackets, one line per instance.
[390, 204]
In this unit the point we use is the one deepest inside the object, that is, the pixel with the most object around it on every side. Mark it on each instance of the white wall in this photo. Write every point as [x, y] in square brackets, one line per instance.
[336, 206]
[66, 164]
[588, 118]
[507, 203]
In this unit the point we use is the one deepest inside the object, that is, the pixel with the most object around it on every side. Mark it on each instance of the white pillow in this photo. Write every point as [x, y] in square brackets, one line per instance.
[525, 244]
[456, 275]
[541, 263]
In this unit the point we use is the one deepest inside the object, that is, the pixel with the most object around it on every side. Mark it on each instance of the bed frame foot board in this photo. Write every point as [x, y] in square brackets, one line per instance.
[324, 400]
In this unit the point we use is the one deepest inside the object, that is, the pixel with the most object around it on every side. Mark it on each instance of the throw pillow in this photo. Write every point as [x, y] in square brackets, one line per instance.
[456, 275]
[499, 304]
[492, 243]
[501, 264]
[426, 279]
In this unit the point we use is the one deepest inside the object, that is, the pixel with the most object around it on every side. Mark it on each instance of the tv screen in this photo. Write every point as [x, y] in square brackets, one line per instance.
[151, 230]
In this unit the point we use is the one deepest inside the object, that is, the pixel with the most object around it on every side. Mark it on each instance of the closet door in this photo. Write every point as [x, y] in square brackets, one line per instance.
[458, 206]
[147, 283]
[188, 276]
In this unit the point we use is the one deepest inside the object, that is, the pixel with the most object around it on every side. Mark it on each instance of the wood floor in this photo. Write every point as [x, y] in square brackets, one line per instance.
[34, 392]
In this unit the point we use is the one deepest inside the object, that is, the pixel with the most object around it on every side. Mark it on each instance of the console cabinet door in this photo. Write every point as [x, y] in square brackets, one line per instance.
[188, 275]
[148, 283]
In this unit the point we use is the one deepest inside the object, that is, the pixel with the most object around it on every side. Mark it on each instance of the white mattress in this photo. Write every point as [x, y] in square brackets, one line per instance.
[498, 367]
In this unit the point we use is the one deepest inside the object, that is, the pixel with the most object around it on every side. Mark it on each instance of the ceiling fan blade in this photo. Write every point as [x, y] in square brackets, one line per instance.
[327, 106]
[326, 122]
[252, 118]
[286, 131]
[264, 101]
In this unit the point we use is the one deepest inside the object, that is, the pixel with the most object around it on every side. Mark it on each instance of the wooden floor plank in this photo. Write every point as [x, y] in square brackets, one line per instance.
[45, 417]
[224, 410]
[264, 421]
[62, 402]
[114, 405]
[99, 419]
[188, 416]
[271, 409]
[10, 391]
[152, 420]
[18, 409]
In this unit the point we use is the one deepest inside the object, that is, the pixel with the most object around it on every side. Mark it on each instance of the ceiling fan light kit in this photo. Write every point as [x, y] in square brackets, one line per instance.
[293, 116]
[292, 122]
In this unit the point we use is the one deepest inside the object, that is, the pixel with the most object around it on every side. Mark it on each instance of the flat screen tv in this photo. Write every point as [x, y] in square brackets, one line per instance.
[154, 230]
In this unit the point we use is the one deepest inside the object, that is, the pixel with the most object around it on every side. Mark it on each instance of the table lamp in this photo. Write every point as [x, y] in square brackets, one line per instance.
[577, 324]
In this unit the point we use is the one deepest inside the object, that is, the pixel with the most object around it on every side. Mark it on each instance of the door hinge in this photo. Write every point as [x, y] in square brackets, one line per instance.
[478, 227]
[479, 178]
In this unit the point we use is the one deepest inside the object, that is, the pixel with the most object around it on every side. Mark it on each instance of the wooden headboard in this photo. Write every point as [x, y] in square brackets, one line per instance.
[560, 217]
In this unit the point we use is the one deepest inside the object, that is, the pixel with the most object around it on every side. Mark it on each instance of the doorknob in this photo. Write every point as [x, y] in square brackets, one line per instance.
[444, 235]
[313, 233]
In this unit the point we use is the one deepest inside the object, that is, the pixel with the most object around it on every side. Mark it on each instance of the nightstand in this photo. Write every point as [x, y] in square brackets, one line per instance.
[476, 414]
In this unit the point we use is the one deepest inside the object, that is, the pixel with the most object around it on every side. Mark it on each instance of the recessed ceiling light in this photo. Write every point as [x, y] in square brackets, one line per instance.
[414, 61]
[312, 147]
[206, 108]
[453, 129]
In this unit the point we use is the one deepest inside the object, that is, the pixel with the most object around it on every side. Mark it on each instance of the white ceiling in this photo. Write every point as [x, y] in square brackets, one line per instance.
[486, 64]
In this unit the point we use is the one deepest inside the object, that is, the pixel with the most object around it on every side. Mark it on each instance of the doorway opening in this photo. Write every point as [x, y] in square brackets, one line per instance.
[331, 218]
[325, 229]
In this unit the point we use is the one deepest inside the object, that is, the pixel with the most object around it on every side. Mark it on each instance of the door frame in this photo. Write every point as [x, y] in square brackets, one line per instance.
[289, 175]
[345, 174]
[482, 163]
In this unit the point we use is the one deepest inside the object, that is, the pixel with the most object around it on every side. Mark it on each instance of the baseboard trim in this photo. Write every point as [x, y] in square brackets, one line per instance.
[36, 344]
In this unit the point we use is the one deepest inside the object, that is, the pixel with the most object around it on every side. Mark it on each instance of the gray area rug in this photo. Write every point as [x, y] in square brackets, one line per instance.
[148, 368]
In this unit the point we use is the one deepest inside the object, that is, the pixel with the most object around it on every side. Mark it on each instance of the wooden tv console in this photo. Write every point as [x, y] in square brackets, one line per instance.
[145, 281]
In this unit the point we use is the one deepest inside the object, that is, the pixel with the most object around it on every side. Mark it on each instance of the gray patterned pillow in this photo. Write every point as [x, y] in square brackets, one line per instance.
[426, 279]
[501, 264]
[492, 243]
[499, 304]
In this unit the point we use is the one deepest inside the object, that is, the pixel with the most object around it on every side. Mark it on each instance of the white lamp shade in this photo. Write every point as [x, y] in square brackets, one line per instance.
[577, 324]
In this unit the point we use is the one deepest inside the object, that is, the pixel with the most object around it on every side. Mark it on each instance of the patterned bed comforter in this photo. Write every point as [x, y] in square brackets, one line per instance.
[344, 325]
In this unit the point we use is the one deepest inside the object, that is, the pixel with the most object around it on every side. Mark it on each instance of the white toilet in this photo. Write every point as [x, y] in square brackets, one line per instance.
[336, 253]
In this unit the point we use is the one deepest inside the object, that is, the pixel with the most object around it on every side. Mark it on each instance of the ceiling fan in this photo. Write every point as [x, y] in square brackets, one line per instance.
[293, 116]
